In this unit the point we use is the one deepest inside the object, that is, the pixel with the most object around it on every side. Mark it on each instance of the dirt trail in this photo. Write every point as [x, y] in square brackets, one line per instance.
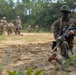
[22, 55]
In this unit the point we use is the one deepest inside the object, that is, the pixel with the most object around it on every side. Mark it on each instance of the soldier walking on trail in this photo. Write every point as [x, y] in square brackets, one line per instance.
[18, 26]
[37, 28]
[60, 27]
[10, 28]
[4, 23]
[1, 27]
[29, 28]
[52, 28]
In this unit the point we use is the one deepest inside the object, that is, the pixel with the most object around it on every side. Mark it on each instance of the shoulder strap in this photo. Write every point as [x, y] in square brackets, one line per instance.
[71, 22]
[60, 23]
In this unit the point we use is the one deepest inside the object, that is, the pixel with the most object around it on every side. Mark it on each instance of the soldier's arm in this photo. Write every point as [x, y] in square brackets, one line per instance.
[20, 22]
[74, 28]
[72, 31]
[56, 29]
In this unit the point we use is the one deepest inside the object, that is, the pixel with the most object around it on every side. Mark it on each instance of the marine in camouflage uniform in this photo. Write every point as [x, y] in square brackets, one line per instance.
[10, 28]
[1, 27]
[18, 26]
[37, 28]
[52, 28]
[4, 23]
[29, 28]
[64, 22]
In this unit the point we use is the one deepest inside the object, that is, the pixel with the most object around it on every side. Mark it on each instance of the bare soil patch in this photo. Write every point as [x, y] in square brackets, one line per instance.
[31, 50]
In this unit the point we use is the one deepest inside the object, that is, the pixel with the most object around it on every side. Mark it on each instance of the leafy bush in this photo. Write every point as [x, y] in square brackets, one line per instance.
[71, 60]
[29, 72]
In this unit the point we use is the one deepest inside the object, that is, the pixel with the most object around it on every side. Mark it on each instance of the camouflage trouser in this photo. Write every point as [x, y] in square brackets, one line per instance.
[9, 31]
[1, 31]
[70, 42]
[17, 31]
[37, 30]
[66, 47]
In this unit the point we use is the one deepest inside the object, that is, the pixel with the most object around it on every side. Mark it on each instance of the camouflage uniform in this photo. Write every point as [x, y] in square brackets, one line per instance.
[37, 28]
[29, 28]
[10, 28]
[4, 24]
[52, 28]
[1, 27]
[59, 26]
[18, 26]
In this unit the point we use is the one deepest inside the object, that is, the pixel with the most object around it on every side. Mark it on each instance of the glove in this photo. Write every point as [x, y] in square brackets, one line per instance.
[71, 32]
[59, 38]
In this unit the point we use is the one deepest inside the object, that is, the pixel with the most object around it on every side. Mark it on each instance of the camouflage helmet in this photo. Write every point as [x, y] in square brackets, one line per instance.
[18, 16]
[4, 18]
[29, 26]
[65, 8]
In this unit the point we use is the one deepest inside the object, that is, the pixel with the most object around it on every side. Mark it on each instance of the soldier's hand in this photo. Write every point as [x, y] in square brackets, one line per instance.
[71, 32]
[59, 38]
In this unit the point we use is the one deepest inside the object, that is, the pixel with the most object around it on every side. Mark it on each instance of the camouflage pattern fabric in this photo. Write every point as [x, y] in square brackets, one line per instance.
[60, 27]
[4, 25]
[1, 27]
[10, 28]
[18, 26]
[29, 28]
[57, 31]
[37, 28]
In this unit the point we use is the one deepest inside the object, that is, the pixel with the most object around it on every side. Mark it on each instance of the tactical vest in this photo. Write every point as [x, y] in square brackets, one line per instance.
[71, 22]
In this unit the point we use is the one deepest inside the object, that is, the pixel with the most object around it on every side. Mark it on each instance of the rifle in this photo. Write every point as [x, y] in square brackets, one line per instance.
[62, 37]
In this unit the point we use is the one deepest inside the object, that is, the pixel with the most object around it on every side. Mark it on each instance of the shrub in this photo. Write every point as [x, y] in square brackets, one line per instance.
[29, 72]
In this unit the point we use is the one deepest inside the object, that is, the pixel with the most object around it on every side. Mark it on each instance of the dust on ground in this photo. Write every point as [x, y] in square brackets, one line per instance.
[22, 53]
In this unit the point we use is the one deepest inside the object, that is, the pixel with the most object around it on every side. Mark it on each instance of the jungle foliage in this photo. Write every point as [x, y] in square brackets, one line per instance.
[32, 12]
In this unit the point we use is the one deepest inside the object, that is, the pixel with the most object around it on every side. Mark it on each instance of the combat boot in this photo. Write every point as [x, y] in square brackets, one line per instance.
[52, 57]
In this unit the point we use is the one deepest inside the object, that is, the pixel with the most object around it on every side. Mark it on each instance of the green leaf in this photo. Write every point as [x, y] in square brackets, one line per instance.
[29, 71]
[38, 72]
[67, 61]
[18, 72]
[11, 73]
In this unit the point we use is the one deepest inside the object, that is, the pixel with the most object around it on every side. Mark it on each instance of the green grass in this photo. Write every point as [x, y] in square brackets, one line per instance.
[42, 30]
[29, 72]
[24, 30]
[2, 38]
